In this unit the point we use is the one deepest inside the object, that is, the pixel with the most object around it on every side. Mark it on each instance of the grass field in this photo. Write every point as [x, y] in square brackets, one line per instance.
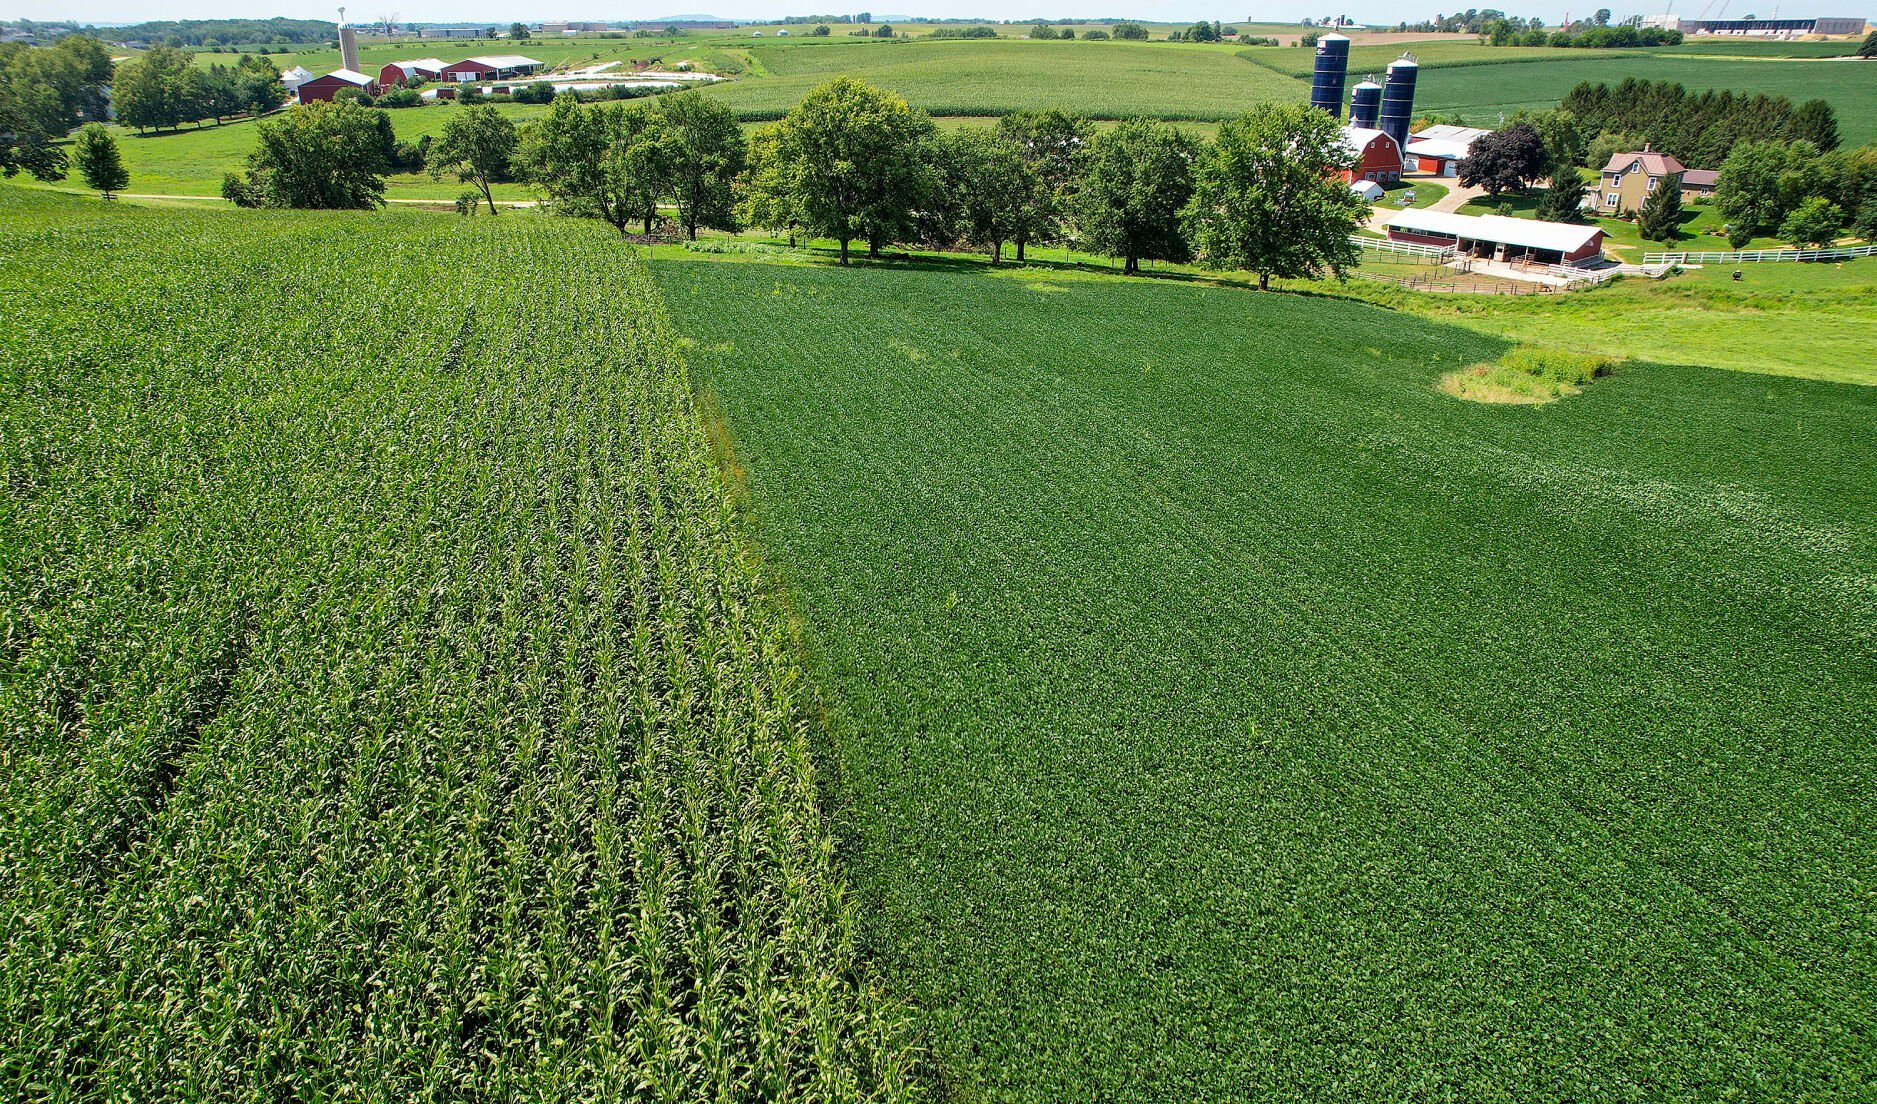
[390, 709]
[1099, 79]
[1300, 62]
[193, 160]
[1225, 713]
[1480, 93]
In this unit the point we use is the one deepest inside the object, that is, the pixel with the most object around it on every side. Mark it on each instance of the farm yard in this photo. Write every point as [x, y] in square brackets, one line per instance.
[1228, 718]
[788, 593]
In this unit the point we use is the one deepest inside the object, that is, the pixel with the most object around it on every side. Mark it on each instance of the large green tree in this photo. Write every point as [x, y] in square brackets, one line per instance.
[162, 89]
[855, 160]
[1815, 222]
[95, 154]
[1761, 183]
[45, 91]
[1266, 199]
[765, 195]
[701, 154]
[476, 145]
[319, 155]
[989, 185]
[1135, 180]
[1562, 200]
[594, 161]
[1660, 217]
[1050, 141]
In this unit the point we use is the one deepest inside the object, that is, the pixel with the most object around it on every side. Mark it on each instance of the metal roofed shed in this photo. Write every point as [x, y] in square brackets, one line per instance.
[1498, 237]
[1369, 190]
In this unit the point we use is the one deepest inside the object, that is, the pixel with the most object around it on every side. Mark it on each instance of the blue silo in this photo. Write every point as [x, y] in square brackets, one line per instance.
[1365, 105]
[1326, 91]
[1398, 99]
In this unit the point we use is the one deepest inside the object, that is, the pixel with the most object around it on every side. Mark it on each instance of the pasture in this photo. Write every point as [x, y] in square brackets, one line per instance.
[1223, 712]
[390, 708]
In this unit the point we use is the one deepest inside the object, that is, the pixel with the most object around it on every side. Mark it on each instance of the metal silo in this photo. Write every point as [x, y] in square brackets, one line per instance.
[1326, 91]
[1398, 99]
[1365, 105]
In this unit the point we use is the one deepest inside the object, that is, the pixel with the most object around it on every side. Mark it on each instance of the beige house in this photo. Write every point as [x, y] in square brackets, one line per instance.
[1630, 177]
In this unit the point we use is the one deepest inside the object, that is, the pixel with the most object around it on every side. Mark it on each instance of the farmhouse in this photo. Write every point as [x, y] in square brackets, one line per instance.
[409, 72]
[1440, 149]
[1377, 156]
[495, 67]
[1630, 177]
[1499, 238]
[326, 87]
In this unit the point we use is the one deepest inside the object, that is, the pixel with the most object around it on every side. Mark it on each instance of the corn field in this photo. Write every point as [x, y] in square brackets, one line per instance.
[391, 712]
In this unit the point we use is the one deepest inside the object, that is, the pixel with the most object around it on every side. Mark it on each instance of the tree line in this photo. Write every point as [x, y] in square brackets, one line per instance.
[45, 91]
[1698, 128]
[164, 89]
[856, 164]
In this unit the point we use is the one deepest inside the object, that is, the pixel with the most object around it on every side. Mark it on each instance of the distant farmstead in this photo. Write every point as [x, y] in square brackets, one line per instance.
[1377, 156]
[495, 67]
[1498, 238]
[323, 89]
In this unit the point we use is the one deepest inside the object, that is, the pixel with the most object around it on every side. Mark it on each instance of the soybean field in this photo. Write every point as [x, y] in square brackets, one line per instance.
[391, 710]
[1225, 713]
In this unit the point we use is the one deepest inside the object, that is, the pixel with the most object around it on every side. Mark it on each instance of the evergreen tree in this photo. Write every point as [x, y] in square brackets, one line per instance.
[1563, 199]
[95, 153]
[1660, 218]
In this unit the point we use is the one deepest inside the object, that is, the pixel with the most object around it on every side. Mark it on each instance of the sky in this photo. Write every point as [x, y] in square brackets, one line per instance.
[533, 11]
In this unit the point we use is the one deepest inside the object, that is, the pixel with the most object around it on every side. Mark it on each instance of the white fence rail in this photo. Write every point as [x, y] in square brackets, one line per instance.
[1404, 249]
[1751, 256]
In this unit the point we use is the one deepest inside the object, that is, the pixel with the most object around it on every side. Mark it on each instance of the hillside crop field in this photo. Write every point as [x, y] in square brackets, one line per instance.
[391, 711]
[1108, 80]
[1479, 93]
[1224, 713]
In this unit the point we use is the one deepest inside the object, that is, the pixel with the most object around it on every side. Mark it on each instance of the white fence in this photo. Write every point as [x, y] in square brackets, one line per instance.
[1404, 249]
[1749, 256]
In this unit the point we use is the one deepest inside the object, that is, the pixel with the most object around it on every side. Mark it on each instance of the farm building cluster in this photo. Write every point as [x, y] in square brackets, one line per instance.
[1383, 150]
[305, 87]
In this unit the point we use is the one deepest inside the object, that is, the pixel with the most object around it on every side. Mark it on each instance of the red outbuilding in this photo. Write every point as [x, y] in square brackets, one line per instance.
[1377, 156]
[326, 87]
[409, 72]
[497, 67]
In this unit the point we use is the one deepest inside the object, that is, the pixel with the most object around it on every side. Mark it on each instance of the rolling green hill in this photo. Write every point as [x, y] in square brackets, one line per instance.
[1224, 713]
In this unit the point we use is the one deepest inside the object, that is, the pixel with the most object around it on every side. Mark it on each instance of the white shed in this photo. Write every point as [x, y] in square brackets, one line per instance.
[1369, 190]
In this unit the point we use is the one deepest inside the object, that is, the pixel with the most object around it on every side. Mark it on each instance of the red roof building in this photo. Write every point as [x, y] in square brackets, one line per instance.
[498, 67]
[326, 87]
[408, 72]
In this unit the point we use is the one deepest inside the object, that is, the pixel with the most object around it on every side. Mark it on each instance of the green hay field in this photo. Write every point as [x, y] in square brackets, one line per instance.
[1480, 93]
[1099, 79]
[1223, 712]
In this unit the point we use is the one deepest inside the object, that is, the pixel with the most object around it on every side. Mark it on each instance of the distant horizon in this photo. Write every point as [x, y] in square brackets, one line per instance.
[119, 13]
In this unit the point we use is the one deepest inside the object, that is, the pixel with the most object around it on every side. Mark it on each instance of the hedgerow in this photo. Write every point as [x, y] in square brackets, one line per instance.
[390, 711]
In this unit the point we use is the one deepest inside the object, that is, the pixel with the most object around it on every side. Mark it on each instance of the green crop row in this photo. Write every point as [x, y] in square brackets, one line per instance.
[1227, 714]
[390, 710]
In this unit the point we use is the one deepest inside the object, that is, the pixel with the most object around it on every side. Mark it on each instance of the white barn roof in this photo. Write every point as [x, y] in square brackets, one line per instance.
[503, 61]
[352, 76]
[1357, 139]
[434, 65]
[1529, 233]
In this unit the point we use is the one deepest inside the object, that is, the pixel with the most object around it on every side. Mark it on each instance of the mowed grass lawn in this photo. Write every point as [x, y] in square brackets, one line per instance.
[1224, 713]
[192, 161]
[1479, 93]
[1099, 79]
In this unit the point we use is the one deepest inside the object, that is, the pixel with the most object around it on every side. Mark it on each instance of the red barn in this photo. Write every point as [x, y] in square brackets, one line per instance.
[1377, 156]
[497, 67]
[326, 87]
[405, 72]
